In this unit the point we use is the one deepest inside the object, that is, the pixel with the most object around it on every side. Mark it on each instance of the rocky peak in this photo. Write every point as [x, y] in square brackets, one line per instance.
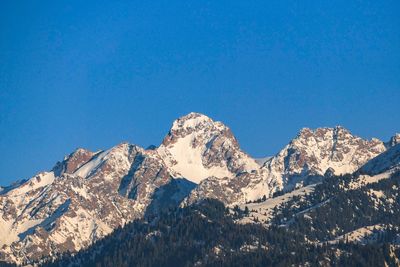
[337, 139]
[190, 121]
[197, 147]
[73, 161]
[337, 132]
[114, 160]
[198, 124]
[313, 152]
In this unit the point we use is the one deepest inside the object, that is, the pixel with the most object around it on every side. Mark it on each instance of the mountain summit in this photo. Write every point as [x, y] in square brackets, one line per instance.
[197, 147]
[313, 152]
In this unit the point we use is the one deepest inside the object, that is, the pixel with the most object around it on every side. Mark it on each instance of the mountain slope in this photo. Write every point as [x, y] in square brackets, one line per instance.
[387, 161]
[91, 197]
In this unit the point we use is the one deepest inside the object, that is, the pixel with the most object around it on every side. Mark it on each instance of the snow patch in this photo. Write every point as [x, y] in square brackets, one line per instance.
[88, 168]
[188, 161]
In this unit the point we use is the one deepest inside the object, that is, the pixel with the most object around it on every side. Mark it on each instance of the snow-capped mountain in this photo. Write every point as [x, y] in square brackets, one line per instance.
[206, 152]
[197, 147]
[89, 194]
[313, 152]
[84, 198]
[303, 161]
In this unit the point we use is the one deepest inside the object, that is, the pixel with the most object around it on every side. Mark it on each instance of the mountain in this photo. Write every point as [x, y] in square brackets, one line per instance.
[88, 195]
[206, 152]
[197, 147]
[84, 198]
[313, 152]
[303, 161]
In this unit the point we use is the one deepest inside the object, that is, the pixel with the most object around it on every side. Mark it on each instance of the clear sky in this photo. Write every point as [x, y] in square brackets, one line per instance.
[95, 73]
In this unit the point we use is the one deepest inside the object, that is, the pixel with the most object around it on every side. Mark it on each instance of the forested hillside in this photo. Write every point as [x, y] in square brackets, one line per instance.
[308, 231]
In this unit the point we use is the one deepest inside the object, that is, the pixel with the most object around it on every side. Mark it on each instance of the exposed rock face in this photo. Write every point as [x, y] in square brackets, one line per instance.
[196, 148]
[314, 152]
[87, 195]
[303, 161]
[243, 187]
[73, 161]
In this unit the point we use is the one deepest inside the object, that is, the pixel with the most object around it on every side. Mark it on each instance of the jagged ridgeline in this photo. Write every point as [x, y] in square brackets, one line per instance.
[162, 200]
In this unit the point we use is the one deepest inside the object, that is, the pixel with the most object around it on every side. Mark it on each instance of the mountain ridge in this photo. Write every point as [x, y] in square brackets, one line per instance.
[93, 193]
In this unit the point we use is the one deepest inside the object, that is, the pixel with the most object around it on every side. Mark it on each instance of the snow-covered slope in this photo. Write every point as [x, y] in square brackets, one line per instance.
[262, 211]
[197, 147]
[387, 161]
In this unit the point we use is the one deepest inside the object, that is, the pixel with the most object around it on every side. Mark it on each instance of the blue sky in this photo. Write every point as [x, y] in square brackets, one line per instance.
[95, 73]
